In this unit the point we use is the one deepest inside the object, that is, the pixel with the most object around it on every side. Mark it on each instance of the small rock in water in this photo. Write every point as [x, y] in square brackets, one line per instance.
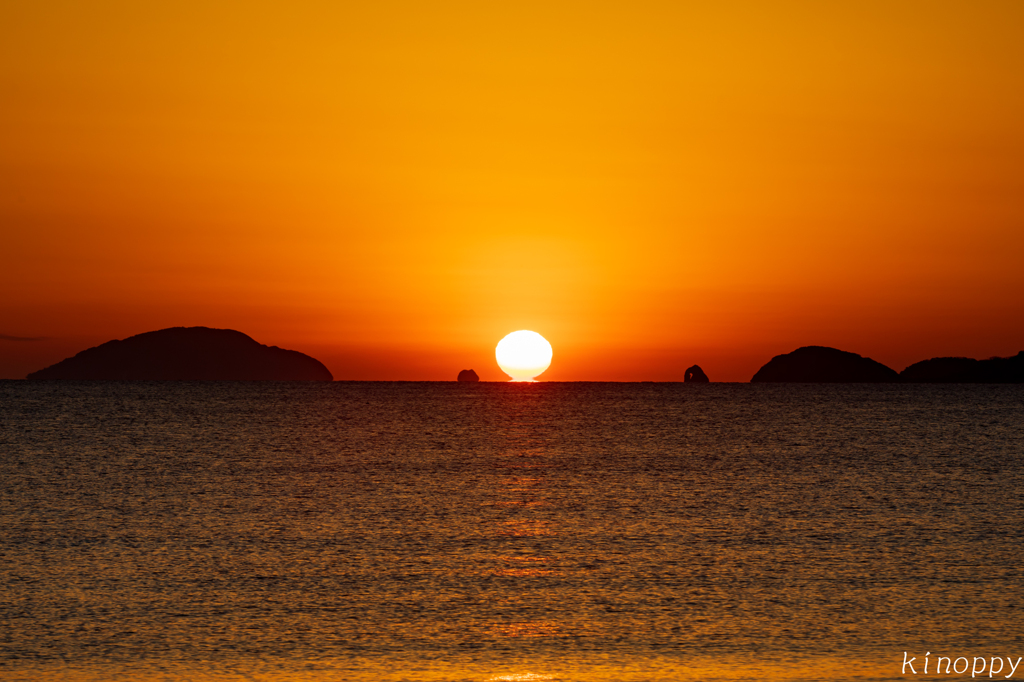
[468, 375]
[695, 375]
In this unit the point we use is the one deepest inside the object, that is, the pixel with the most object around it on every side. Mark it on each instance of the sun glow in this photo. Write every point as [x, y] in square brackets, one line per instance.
[523, 355]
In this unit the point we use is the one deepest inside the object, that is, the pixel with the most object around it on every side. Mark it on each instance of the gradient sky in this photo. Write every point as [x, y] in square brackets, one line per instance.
[392, 187]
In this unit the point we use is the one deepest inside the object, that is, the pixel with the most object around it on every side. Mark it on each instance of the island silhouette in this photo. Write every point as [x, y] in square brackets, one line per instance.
[820, 364]
[187, 354]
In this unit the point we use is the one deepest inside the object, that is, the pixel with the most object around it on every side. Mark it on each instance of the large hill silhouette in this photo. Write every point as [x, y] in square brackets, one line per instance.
[820, 364]
[187, 354]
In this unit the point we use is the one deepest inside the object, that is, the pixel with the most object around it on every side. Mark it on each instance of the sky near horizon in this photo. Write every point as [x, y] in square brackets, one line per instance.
[392, 187]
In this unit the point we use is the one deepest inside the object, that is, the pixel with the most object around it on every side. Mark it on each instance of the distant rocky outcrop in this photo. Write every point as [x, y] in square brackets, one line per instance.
[695, 375]
[468, 375]
[820, 364]
[967, 371]
[187, 354]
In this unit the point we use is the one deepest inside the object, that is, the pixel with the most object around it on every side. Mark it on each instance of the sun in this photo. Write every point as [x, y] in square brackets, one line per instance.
[523, 355]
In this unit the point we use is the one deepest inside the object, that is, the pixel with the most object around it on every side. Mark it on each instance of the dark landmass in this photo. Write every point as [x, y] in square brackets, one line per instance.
[468, 375]
[967, 371]
[695, 375]
[819, 364]
[187, 354]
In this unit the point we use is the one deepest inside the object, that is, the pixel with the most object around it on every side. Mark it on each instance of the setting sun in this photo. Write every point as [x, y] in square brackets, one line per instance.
[523, 355]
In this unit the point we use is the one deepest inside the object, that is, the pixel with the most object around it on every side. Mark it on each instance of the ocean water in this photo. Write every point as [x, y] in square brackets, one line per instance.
[507, 532]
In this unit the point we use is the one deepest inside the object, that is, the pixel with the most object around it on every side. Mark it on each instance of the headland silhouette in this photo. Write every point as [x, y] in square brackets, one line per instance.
[821, 364]
[967, 371]
[187, 354]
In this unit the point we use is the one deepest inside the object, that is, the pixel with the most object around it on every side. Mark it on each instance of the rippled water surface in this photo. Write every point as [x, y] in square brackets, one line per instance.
[506, 532]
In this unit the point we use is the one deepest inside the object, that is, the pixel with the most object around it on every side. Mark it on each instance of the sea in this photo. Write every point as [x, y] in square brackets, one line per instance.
[490, 532]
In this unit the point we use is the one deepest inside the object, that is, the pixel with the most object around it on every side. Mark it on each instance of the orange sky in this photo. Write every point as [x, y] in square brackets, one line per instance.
[392, 187]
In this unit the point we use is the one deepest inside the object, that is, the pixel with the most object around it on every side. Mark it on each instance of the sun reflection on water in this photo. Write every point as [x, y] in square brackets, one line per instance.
[528, 629]
[524, 566]
[521, 528]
